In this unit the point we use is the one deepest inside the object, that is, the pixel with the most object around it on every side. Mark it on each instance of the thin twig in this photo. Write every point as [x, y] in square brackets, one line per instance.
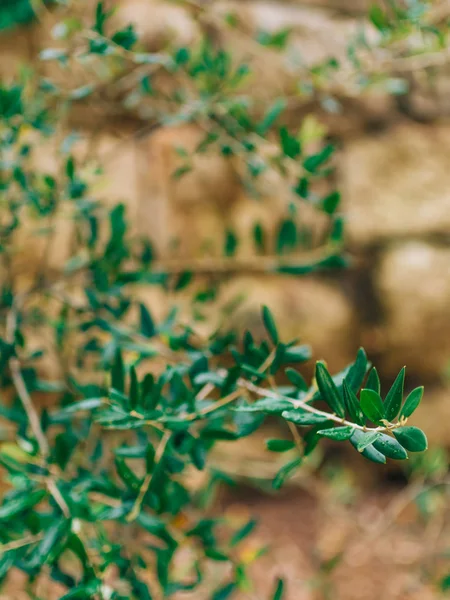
[148, 478]
[303, 404]
[19, 384]
[27, 541]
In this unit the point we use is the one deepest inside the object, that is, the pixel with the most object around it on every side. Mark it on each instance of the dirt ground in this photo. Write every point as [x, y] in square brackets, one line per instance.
[386, 549]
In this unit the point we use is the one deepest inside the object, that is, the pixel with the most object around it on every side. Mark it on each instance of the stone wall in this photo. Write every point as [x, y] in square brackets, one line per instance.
[393, 170]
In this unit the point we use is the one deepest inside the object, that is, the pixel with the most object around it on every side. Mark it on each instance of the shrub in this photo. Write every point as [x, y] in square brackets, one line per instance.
[79, 501]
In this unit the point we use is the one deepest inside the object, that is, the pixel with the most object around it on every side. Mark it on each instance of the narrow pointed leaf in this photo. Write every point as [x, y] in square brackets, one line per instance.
[411, 438]
[296, 379]
[352, 405]
[118, 373]
[285, 472]
[389, 446]
[134, 389]
[372, 405]
[357, 371]
[303, 418]
[340, 434]
[147, 324]
[269, 324]
[279, 590]
[394, 398]
[373, 381]
[412, 402]
[328, 390]
[15, 506]
[280, 445]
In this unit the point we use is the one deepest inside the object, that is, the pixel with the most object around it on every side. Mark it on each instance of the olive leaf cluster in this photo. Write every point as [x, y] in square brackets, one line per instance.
[98, 492]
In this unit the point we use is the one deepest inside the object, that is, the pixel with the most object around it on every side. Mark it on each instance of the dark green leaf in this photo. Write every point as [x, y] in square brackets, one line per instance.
[296, 379]
[134, 389]
[224, 592]
[118, 373]
[328, 390]
[23, 502]
[357, 371]
[412, 402]
[148, 328]
[244, 532]
[370, 452]
[269, 324]
[279, 590]
[373, 381]
[388, 446]
[352, 405]
[285, 472]
[372, 405]
[411, 438]
[231, 244]
[280, 445]
[394, 398]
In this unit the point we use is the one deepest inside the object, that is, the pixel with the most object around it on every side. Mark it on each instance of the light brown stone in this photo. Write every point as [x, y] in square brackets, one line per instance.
[16, 51]
[413, 287]
[314, 311]
[432, 416]
[397, 184]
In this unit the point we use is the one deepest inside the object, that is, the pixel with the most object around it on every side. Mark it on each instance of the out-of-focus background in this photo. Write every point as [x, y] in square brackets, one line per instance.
[343, 529]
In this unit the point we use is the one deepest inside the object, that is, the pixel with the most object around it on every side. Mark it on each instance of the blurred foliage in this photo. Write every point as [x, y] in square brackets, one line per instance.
[168, 393]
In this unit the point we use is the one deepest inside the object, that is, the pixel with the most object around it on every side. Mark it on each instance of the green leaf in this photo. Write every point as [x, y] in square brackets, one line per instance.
[88, 404]
[328, 390]
[367, 439]
[127, 475]
[297, 354]
[148, 328]
[134, 389]
[394, 398]
[372, 405]
[285, 472]
[269, 324]
[357, 371]
[287, 237]
[290, 145]
[52, 542]
[331, 202]
[82, 592]
[312, 163]
[388, 446]
[267, 405]
[279, 590]
[118, 373]
[280, 445]
[340, 434]
[271, 116]
[352, 405]
[370, 452]
[373, 381]
[244, 532]
[17, 505]
[411, 438]
[296, 379]
[224, 592]
[378, 17]
[300, 417]
[412, 402]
